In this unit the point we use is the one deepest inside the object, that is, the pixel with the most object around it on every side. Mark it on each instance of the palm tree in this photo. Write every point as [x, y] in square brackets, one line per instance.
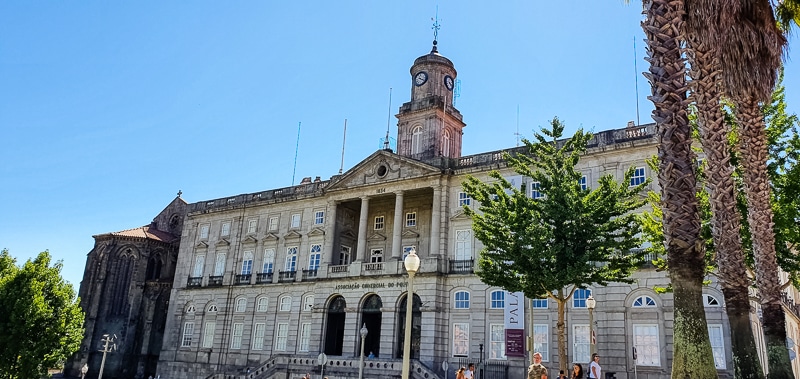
[692, 356]
[702, 18]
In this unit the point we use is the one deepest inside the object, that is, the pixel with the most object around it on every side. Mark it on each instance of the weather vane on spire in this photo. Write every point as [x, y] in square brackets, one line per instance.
[435, 28]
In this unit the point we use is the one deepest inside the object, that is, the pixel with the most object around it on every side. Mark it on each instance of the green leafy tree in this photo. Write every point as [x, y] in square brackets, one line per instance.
[41, 321]
[566, 239]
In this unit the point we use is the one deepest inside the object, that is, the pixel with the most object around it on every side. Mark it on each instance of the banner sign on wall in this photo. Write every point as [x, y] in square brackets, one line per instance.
[514, 321]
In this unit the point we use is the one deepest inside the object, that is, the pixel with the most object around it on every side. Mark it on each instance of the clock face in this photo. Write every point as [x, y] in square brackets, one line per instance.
[448, 82]
[420, 78]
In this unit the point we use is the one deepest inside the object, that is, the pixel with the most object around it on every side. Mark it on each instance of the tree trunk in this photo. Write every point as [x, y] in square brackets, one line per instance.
[561, 326]
[692, 355]
[753, 145]
[725, 217]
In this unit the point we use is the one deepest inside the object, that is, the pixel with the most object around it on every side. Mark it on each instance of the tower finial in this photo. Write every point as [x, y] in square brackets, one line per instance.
[435, 28]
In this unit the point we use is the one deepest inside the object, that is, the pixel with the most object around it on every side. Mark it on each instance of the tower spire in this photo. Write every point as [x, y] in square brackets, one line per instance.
[435, 28]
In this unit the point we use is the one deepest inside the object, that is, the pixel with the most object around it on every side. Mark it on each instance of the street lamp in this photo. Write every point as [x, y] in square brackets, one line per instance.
[363, 332]
[591, 303]
[412, 265]
[84, 370]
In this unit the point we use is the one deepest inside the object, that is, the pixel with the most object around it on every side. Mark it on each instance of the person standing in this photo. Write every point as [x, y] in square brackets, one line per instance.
[594, 367]
[537, 370]
[470, 373]
[460, 373]
[577, 371]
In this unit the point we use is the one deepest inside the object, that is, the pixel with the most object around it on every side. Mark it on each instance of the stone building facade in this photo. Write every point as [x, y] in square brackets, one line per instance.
[261, 283]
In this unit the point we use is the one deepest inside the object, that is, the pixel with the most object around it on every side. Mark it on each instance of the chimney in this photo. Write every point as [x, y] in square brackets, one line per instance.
[306, 180]
[317, 180]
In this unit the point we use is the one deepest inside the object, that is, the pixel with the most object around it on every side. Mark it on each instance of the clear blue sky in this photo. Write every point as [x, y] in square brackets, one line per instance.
[107, 109]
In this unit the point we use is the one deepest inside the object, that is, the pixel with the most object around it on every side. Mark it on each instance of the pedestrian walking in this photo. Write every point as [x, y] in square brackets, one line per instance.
[537, 370]
[594, 367]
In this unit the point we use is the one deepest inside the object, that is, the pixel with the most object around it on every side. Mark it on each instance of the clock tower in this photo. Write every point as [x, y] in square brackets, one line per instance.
[429, 126]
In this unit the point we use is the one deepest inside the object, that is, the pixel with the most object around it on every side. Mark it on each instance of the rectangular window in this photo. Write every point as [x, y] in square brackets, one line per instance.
[219, 265]
[252, 226]
[535, 193]
[199, 261]
[579, 297]
[376, 256]
[269, 261]
[583, 184]
[319, 218]
[379, 223]
[296, 220]
[247, 263]
[188, 334]
[273, 223]
[497, 341]
[314, 257]
[645, 339]
[717, 345]
[539, 303]
[226, 229]
[281, 335]
[541, 341]
[208, 334]
[638, 176]
[204, 231]
[291, 258]
[258, 336]
[305, 336]
[498, 299]
[463, 199]
[411, 219]
[344, 255]
[580, 343]
[461, 339]
[407, 250]
[236, 335]
[463, 245]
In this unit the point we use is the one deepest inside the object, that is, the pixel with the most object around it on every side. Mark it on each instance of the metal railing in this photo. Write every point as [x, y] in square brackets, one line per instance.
[242, 279]
[194, 281]
[309, 274]
[263, 277]
[215, 280]
[286, 276]
[462, 266]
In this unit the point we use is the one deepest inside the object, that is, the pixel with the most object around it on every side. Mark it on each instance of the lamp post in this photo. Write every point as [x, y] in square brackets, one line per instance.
[84, 370]
[591, 303]
[363, 332]
[108, 346]
[412, 265]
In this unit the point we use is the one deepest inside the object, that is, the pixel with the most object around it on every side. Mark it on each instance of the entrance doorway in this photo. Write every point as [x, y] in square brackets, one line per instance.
[371, 317]
[334, 333]
[416, 327]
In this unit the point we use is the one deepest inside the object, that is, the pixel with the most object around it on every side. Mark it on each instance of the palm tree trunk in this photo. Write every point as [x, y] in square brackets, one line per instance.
[759, 215]
[692, 355]
[725, 217]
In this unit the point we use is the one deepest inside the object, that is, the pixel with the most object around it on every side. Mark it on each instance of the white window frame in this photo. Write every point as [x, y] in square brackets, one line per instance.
[460, 339]
[717, 337]
[319, 217]
[446, 140]
[268, 265]
[236, 335]
[225, 229]
[462, 303]
[305, 337]
[291, 259]
[199, 265]
[285, 303]
[308, 303]
[497, 341]
[262, 304]
[644, 301]
[584, 183]
[536, 192]
[376, 256]
[252, 225]
[212, 308]
[188, 334]
[711, 301]
[639, 176]
[463, 245]
[314, 256]
[247, 262]
[273, 224]
[204, 229]
[208, 334]
[464, 199]
[411, 219]
[345, 255]
[259, 330]
[281, 336]
[541, 340]
[219, 264]
[416, 140]
[648, 352]
[581, 344]
[407, 250]
[537, 303]
[380, 222]
[499, 302]
[296, 220]
[241, 305]
[580, 302]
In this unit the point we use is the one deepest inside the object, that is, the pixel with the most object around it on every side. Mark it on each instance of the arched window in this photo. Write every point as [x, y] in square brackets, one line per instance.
[416, 140]
[247, 263]
[462, 300]
[190, 308]
[241, 304]
[446, 143]
[710, 301]
[285, 304]
[644, 302]
[262, 304]
[153, 268]
[212, 308]
[308, 303]
[498, 299]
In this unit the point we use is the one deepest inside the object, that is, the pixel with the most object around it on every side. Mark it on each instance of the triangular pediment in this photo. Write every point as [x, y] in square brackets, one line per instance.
[348, 234]
[460, 215]
[292, 234]
[316, 232]
[271, 237]
[223, 242]
[250, 239]
[382, 166]
[201, 245]
[377, 237]
[410, 233]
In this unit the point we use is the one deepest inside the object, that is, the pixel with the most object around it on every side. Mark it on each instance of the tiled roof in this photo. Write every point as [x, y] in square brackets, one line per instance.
[143, 232]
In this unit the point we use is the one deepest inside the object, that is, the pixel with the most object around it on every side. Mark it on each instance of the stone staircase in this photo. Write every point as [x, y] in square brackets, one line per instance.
[294, 367]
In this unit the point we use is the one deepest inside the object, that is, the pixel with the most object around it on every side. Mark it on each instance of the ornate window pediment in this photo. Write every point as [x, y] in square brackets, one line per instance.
[250, 240]
[292, 234]
[377, 237]
[223, 242]
[410, 233]
[316, 232]
[271, 236]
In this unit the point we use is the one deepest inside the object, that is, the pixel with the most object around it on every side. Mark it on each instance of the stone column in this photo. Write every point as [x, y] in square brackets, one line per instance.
[330, 233]
[397, 227]
[436, 218]
[361, 251]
